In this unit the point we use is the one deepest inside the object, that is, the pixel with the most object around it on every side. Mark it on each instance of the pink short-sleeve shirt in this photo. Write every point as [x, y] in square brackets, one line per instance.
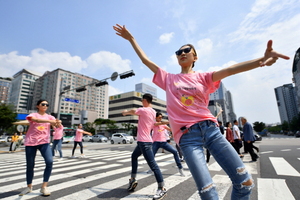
[78, 137]
[145, 123]
[159, 133]
[38, 133]
[187, 98]
[58, 133]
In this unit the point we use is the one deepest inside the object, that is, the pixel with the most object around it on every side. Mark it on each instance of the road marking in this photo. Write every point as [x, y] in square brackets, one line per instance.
[265, 152]
[273, 189]
[282, 167]
[286, 150]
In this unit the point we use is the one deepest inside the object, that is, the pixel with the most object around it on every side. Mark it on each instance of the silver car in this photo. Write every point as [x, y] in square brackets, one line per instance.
[99, 138]
[121, 138]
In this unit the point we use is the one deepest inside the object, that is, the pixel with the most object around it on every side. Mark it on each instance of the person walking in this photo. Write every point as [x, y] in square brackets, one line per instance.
[229, 135]
[249, 138]
[144, 145]
[160, 141]
[237, 137]
[193, 126]
[57, 139]
[78, 140]
[38, 138]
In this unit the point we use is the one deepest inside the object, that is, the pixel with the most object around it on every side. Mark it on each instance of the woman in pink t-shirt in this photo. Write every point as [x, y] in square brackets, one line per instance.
[38, 138]
[78, 140]
[193, 126]
[57, 139]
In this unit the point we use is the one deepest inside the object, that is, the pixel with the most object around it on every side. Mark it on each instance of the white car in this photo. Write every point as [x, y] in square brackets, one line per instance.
[121, 138]
[99, 138]
[86, 138]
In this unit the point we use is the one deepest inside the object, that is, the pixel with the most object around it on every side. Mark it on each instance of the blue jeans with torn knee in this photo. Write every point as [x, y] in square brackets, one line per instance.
[207, 134]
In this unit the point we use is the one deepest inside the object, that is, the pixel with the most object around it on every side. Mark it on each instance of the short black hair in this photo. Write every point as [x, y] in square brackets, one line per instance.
[148, 97]
[40, 101]
[234, 121]
[158, 113]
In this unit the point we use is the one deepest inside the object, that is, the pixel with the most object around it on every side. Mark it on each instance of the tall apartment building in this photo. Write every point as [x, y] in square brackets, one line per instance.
[5, 89]
[22, 87]
[224, 98]
[84, 103]
[296, 76]
[128, 101]
[286, 102]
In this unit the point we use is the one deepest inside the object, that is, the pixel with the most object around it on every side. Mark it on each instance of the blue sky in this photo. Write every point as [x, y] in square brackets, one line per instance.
[78, 36]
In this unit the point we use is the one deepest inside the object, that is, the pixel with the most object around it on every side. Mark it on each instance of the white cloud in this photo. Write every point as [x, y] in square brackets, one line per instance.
[113, 91]
[104, 59]
[166, 38]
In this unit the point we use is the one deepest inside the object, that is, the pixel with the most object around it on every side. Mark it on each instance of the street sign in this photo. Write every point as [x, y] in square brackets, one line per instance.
[72, 100]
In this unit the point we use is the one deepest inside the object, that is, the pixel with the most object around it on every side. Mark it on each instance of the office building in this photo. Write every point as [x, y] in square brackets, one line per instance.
[296, 76]
[286, 102]
[5, 89]
[22, 88]
[144, 88]
[81, 98]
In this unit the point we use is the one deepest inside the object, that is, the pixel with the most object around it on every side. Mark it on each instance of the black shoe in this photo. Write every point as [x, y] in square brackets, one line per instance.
[132, 185]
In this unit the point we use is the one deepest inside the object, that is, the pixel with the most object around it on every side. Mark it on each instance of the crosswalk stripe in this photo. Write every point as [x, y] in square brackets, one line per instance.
[272, 189]
[282, 167]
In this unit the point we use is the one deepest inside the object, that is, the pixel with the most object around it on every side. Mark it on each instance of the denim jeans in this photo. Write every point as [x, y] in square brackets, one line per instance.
[58, 144]
[166, 146]
[207, 134]
[30, 152]
[145, 148]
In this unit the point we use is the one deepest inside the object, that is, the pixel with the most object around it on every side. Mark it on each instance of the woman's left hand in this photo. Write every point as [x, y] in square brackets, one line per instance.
[271, 56]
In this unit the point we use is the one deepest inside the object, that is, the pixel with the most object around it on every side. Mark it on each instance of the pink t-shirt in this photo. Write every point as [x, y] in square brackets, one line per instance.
[58, 134]
[159, 133]
[78, 137]
[145, 124]
[187, 98]
[38, 133]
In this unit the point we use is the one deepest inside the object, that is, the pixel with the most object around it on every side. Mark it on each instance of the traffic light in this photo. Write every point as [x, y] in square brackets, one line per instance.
[127, 74]
[101, 83]
[81, 89]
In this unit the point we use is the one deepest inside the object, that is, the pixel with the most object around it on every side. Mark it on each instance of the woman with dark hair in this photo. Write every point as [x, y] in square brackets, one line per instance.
[38, 138]
[229, 135]
[193, 125]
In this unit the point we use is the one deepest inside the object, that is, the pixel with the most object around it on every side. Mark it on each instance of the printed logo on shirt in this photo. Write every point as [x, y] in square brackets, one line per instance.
[40, 128]
[187, 100]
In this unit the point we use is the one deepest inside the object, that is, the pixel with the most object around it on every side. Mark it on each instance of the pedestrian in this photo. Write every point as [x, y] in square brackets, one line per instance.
[14, 140]
[249, 138]
[78, 140]
[146, 121]
[160, 141]
[193, 126]
[38, 138]
[237, 137]
[221, 127]
[57, 139]
[229, 135]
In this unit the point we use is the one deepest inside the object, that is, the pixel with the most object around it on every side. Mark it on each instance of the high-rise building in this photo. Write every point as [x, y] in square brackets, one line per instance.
[80, 97]
[129, 101]
[5, 89]
[223, 97]
[296, 76]
[22, 87]
[286, 102]
[144, 88]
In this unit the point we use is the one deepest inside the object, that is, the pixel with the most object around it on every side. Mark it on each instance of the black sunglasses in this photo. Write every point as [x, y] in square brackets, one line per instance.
[186, 50]
[44, 104]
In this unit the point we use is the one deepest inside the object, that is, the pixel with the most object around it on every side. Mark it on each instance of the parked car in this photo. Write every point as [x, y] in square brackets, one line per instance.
[257, 137]
[297, 134]
[121, 138]
[87, 138]
[99, 138]
[290, 133]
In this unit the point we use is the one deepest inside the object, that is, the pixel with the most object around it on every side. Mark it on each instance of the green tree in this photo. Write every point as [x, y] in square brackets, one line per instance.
[259, 126]
[128, 126]
[7, 116]
[89, 127]
[285, 126]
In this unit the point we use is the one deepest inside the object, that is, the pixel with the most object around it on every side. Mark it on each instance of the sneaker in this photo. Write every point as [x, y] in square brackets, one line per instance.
[60, 159]
[132, 185]
[160, 194]
[182, 160]
[45, 191]
[181, 172]
[25, 191]
[82, 156]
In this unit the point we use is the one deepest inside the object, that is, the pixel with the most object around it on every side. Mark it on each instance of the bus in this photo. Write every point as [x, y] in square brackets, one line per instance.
[69, 135]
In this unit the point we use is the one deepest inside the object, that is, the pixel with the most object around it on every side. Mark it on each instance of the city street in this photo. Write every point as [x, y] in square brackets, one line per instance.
[105, 172]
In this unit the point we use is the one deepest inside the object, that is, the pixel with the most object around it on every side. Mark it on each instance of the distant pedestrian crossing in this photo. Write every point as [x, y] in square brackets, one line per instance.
[105, 173]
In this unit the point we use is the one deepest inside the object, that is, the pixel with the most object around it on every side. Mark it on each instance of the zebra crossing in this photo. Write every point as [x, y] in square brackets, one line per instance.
[104, 173]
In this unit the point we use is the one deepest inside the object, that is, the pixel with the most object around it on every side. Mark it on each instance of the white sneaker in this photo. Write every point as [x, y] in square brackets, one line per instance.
[181, 172]
[160, 194]
[45, 191]
[25, 191]
[60, 159]
[82, 156]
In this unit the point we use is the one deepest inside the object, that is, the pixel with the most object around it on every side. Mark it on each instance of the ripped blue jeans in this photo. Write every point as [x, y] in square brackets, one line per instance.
[207, 134]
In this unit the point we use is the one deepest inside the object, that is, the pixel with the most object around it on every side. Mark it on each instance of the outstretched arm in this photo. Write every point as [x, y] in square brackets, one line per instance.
[129, 112]
[124, 33]
[269, 58]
